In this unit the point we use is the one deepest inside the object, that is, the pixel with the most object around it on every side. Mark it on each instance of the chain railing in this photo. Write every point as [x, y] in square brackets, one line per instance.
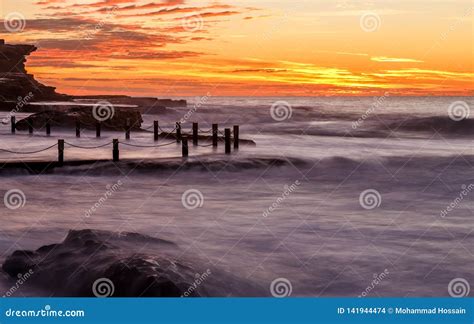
[28, 152]
[88, 147]
[212, 134]
[148, 146]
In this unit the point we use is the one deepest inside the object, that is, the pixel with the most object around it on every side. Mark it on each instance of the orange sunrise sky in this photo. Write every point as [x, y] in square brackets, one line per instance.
[247, 48]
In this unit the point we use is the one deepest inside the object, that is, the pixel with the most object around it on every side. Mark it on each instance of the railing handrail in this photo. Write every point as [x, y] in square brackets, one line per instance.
[180, 138]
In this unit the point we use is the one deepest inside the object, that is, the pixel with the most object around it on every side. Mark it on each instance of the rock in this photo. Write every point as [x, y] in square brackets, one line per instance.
[90, 262]
[144, 104]
[172, 103]
[85, 115]
[12, 58]
[15, 81]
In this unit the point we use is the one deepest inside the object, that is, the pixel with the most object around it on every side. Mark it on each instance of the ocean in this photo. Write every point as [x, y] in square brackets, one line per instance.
[340, 196]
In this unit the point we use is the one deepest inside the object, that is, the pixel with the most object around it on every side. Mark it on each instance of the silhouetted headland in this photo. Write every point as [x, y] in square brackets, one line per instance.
[21, 92]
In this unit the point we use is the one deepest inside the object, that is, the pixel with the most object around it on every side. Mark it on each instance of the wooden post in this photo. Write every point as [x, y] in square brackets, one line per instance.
[115, 150]
[30, 128]
[97, 129]
[48, 129]
[185, 147]
[215, 134]
[236, 137]
[227, 141]
[178, 132]
[155, 130]
[13, 122]
[127, 129]
[60, 152]
[78, 128]
[195, 133]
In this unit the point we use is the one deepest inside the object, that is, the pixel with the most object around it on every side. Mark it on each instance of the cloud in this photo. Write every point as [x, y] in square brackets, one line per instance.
[186, 10]
[61, 63]
[151, 5]
[394, 59]
[55, 25]
[94, 4]
[141, 46]
[106, 30]
[259, 70]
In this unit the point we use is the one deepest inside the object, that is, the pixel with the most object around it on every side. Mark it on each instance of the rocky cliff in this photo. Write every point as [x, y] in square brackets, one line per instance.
[15, 82]
[20, 92]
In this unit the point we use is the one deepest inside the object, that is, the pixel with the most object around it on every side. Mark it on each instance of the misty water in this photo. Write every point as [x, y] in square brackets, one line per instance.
[288, 208]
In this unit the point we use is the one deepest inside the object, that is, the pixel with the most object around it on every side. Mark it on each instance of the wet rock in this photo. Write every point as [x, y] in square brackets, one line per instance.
[98, 263]
[85, 115]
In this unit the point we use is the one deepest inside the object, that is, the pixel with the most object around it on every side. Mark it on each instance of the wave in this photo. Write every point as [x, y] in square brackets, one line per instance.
[109, 264]
[330, 166]
[383, 127]
[440, 124]
[107, 167]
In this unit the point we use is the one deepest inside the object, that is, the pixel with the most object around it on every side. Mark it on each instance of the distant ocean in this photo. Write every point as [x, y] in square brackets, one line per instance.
[337, 192]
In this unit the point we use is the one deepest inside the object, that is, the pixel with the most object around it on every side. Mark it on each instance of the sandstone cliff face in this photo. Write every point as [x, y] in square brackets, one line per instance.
[12, 57]
[15, 81]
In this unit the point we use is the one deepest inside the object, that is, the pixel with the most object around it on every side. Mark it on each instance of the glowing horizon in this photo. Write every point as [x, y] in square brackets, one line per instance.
[247, 48]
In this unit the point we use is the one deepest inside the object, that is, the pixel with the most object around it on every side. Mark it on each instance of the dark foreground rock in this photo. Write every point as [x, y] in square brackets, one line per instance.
[99, 263]
[85, 115]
